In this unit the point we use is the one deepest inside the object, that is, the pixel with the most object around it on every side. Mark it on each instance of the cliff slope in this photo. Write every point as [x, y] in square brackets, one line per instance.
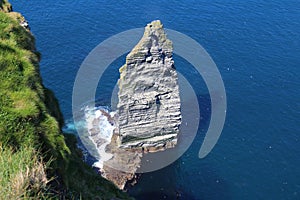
[35, 160]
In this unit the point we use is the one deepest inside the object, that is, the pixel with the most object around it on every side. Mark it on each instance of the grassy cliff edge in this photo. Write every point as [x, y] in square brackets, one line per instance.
[36, 160]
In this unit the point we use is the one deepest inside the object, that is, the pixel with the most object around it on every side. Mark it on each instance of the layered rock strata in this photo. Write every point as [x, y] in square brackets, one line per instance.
[149, 103]
[148, 112]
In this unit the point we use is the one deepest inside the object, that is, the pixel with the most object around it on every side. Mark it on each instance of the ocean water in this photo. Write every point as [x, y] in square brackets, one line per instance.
[256, 46]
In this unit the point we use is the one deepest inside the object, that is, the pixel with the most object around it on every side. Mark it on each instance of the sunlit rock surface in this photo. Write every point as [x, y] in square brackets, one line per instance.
[148, 113]
[149, 103]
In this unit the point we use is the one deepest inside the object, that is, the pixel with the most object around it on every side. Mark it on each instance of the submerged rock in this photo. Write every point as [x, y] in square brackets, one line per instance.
[149, 103]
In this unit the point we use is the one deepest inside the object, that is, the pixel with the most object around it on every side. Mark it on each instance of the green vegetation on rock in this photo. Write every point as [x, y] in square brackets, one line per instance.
[36, 162]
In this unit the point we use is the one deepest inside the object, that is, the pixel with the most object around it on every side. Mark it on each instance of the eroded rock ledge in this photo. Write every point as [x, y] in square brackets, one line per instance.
[148, 115]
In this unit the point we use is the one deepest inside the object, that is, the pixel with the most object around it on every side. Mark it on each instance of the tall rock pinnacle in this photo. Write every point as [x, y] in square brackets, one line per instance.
[149, 102]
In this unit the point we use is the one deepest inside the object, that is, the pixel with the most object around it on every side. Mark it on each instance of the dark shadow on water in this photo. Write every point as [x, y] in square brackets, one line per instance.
[205, 108]
[174, 182]
[156, 195]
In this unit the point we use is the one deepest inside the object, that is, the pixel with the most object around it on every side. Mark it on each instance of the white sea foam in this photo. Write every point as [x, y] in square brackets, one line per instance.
[105, 132]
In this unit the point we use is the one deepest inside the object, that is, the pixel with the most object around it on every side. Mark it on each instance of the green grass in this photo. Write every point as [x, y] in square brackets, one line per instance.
[22, 96]
[30, 130]
[23, 175]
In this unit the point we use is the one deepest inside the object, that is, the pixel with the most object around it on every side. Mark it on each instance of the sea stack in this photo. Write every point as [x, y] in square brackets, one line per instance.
[148, 112]
[149, 103]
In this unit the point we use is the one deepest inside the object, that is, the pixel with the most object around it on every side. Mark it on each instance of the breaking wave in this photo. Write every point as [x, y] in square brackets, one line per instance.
[98, 123]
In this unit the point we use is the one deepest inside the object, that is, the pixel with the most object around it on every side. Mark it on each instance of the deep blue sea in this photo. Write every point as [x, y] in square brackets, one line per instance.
[256, 46]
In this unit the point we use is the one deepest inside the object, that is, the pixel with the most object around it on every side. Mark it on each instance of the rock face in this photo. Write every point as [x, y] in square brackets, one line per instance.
[148, 115]
[149, 102]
